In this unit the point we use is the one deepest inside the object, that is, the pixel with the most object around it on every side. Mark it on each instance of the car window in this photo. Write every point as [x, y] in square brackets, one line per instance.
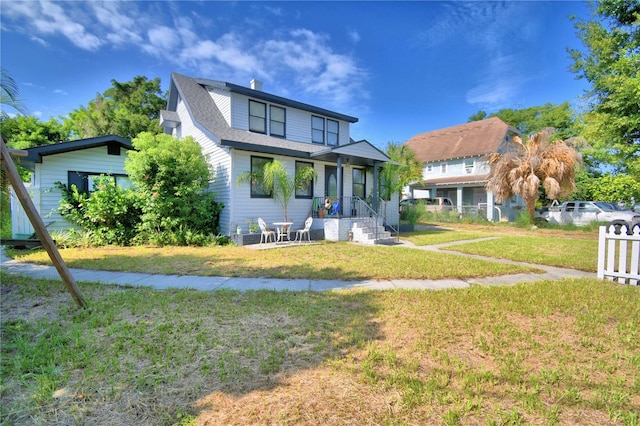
[605, 206]
[587, 208]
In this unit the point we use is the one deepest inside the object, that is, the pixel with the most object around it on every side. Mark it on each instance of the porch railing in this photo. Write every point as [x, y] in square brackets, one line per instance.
[355, 207]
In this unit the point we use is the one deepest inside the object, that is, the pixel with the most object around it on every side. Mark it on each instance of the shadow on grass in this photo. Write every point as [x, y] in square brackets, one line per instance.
[143, 356]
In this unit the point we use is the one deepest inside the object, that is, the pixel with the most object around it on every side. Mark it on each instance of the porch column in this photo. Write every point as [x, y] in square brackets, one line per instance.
[490, 205]
[375, 186]
[339, 178]
[459, 198]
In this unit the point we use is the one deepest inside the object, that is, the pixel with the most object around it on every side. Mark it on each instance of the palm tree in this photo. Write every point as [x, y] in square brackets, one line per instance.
[276, 180]
[9, 94]
[403, 169]
[8, 97]
[526, 165]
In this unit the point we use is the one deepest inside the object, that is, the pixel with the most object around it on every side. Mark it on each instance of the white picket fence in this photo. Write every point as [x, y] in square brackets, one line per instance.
[615, 261]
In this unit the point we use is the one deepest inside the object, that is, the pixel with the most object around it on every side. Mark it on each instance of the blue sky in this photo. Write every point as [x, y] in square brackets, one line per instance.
[402, 68]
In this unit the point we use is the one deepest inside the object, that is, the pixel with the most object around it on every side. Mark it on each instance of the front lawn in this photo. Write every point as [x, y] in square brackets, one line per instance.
[566, 249]
[330, 261]
[553, 353]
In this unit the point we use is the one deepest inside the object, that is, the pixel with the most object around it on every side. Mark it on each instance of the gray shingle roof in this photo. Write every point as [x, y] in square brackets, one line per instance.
[208, 117]
[35, 154]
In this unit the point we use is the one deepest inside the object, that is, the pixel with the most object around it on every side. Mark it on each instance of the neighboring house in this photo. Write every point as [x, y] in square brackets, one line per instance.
[241, 128]
[456, 165]
[77, 162]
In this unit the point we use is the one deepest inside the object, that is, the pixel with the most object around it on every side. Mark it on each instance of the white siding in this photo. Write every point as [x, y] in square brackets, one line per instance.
[455, 168]
[298, 122]
[54, 168]
[223, 102]
[220, 160]
[240, 112]
[246, 208]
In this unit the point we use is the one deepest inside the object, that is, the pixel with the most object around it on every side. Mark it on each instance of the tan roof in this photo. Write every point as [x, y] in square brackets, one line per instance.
[465, 140]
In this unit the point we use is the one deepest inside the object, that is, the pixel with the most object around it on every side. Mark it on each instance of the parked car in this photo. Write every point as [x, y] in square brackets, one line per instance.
[636, 207]
[438, 204]
[431, 204]
[582, 213]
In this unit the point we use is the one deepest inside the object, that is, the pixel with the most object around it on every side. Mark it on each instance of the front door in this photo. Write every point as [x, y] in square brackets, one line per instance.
[331, 182]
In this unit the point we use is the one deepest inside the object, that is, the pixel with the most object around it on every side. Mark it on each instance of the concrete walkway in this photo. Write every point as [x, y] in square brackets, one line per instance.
[10, 266]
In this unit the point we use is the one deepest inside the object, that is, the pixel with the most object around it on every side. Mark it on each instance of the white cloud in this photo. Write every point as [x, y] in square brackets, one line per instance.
[501, 81]
[297, 61]
[55, 20]
[60, 92]
[495, 32]
[354, 36]
[315, 68]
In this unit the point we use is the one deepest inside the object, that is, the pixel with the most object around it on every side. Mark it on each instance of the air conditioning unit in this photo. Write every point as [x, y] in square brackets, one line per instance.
[469, 169]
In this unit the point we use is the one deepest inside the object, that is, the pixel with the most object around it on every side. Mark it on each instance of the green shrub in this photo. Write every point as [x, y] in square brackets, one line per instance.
[109, 214]
[411, 214]
[172, 177]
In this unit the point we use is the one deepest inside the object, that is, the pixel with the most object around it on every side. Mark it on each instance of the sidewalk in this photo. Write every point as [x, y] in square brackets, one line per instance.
[162, 282]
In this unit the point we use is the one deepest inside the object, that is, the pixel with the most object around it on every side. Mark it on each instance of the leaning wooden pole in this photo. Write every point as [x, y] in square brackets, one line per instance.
[38, 225]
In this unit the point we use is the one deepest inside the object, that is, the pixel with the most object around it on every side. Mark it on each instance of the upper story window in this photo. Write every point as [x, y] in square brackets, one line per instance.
[429, 168]
[443, 168]
[468, 165]
[317, 129]
[257, 117]
[277, 121]
[332, 132]
[307, 191]
[257, 167]
[326, 132]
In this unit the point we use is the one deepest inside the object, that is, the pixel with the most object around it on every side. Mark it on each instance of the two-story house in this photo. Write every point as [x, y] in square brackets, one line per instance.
[241, 128]
[456, 165]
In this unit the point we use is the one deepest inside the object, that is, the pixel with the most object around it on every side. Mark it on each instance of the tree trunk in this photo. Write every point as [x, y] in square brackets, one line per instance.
[531, 209]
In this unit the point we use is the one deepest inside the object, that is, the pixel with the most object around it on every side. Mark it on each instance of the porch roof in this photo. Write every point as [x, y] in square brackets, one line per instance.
[456, 180]
[360, 153]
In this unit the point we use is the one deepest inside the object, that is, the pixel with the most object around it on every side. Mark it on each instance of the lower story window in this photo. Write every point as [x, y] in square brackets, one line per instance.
[307, 191]
[258, 189]
[359, 182]
[85, 181]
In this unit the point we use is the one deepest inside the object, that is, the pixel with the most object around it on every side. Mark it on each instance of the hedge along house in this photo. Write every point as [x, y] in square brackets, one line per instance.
[455, 165]
[241, 128]
[77, 163]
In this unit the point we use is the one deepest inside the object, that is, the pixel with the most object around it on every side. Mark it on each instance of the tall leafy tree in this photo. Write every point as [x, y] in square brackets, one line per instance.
[525, 166]
[126, 109]
[533, 119]
[27, 131]
[22, 132]
[610, 62]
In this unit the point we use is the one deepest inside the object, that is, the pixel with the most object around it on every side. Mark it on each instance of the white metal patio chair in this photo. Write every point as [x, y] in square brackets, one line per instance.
[266, 233]
[300, 232]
